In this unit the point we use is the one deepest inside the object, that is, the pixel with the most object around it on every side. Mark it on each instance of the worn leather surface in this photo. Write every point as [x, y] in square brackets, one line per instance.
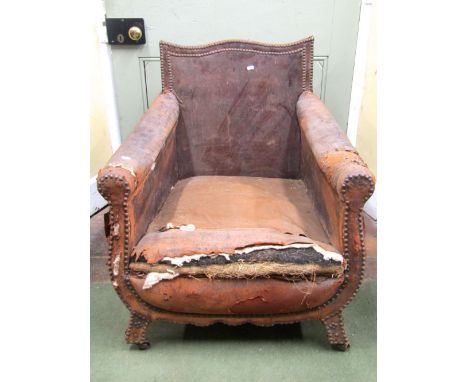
[228, 202]
[260, 296]
[329, 161]
[140, 150]
[331, 149]
[237, 107]
[147, 160]
[231, 212]
[154, 246]
[341, 182]
[174, 141]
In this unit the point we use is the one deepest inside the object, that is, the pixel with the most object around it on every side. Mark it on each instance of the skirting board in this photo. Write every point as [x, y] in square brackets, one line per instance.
[97, 202]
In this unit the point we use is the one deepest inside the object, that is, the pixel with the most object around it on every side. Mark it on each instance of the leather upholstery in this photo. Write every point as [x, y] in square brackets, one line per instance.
[231, 297]
[331, 166]
[141, 148]
[229, 213]
[237, 107]
[230, 202]
[287, 170]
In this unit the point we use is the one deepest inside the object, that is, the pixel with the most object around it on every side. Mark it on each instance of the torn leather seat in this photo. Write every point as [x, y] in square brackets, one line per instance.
[236, 198]
[217, 228]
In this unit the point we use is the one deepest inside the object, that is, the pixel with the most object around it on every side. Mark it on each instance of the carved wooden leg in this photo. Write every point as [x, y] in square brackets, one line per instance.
[336, 332]
[136, 331]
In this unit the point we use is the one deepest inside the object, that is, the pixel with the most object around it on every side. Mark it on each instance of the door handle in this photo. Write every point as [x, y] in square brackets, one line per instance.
[135, 33]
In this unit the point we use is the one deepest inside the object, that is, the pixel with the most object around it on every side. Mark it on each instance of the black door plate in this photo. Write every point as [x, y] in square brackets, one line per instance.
[117, 31]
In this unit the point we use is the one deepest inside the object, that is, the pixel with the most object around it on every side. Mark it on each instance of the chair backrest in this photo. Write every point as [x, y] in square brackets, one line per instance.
[238, 106]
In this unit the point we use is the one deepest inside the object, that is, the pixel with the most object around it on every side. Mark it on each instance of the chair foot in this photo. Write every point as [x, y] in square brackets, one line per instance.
[136, 331]
[144, 345]
[336, 332]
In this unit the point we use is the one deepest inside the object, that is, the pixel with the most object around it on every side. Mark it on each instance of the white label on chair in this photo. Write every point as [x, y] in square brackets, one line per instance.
[250, 67]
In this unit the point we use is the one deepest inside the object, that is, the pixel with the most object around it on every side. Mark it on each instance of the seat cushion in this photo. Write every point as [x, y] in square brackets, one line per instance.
[227, 202]
[230, 240]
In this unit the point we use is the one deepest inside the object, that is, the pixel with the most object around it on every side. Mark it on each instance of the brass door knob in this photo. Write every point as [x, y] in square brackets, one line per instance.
[135, 33]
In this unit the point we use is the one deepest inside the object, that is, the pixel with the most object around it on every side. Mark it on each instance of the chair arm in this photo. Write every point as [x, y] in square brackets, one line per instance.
[137, 155]
[136, 181]
[340, 184]
[140, 174]
[345, 171]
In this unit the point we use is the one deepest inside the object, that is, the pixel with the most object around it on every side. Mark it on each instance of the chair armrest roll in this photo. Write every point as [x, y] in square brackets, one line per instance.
[137, 155]
[345, 171]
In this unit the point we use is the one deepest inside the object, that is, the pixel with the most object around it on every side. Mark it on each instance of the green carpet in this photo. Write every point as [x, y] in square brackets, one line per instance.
[221, 353]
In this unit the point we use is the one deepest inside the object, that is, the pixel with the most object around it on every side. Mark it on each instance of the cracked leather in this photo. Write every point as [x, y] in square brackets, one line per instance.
[215, 117]
[236, 121]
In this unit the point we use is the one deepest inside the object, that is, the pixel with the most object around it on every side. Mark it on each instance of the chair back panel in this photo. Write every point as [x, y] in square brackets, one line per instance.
[238, 106]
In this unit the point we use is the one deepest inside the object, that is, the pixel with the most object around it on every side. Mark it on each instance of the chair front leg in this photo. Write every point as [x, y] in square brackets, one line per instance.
[136, 331]
[336, 332]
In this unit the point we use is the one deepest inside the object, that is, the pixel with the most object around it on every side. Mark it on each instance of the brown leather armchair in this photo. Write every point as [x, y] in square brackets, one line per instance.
[236, 198]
